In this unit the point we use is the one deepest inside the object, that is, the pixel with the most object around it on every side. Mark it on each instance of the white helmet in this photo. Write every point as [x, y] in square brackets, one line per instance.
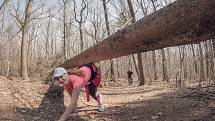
[59, 72]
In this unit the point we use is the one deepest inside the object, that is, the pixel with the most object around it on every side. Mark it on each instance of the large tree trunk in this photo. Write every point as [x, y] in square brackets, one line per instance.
[25, 42]
[180, 23]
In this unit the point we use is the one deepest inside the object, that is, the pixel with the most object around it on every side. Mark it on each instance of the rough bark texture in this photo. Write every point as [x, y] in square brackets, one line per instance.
[180, 23]
[25, 42]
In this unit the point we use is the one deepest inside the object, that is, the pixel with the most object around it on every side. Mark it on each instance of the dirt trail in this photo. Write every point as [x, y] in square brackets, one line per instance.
[29, 101]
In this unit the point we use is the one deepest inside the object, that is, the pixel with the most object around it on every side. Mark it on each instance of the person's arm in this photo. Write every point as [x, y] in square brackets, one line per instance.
[74, 98]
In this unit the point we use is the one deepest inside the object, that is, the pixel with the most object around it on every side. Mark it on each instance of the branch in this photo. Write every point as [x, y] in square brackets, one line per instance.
[75, 12]
[2, 5]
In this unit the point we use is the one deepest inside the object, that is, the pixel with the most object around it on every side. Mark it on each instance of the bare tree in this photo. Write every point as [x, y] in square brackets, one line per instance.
[179, 80]
[207, 64]
[139, 56]
[112, 76]
[95, 19]
[202, 72]
[144, 6]
[211, 60]
[3, 3]
[194, 58]
[81, 21]
[25, 41]
[164, 63]
[48, 34]
[65, 4]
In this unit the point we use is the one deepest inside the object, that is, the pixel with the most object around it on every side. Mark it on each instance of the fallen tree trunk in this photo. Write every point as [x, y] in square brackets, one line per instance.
[182, 22]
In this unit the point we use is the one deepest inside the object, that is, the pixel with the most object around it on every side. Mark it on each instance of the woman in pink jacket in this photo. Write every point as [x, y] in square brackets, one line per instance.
[73, 83]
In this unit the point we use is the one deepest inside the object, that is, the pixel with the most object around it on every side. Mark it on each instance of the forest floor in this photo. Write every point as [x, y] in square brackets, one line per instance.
[29, 101]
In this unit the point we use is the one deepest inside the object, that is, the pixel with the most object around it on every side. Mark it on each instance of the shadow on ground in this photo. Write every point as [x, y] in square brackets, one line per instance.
[50, 109]
[165, 107]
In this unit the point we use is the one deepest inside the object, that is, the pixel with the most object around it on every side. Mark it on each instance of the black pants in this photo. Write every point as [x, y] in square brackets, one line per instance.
[92, 90]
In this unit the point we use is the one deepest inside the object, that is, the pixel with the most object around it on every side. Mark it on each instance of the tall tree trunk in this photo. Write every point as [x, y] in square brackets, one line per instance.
[164, 65]
[65, 2]
[135, 64]
[81, 35]
[139, 56]
[140, 66]
[181, 57]
[169, 62]
[25, 42]
[212, 60]
[64, 33]
[164, 68]
[194, 58]
[202, 72]
[184, 63]
[117, 66]
[112, 77]
[207, 64]
[153, 52]
[154, 61]
[157, 30]
[48, 34]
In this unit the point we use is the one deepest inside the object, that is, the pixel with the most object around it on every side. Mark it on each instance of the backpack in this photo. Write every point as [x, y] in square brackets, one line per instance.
[95, 79]
[95, 74]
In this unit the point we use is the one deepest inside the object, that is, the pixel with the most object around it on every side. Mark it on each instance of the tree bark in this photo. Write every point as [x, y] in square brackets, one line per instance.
[207, 64]
[183, 49]
[64, 28]
[194, 59]
[202, 72]
[212, 61]
[154, 60]
[25, 42]
[164, 66]
[182, 22]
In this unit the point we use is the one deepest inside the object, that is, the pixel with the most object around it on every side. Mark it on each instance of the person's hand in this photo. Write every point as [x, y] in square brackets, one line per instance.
[73, 104]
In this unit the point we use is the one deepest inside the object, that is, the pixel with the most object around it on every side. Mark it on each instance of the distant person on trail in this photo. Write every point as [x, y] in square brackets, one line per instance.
[130, 79]
[87, 76]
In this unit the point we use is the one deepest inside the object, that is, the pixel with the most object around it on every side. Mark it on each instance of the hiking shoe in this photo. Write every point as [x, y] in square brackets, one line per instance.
[101, 108]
